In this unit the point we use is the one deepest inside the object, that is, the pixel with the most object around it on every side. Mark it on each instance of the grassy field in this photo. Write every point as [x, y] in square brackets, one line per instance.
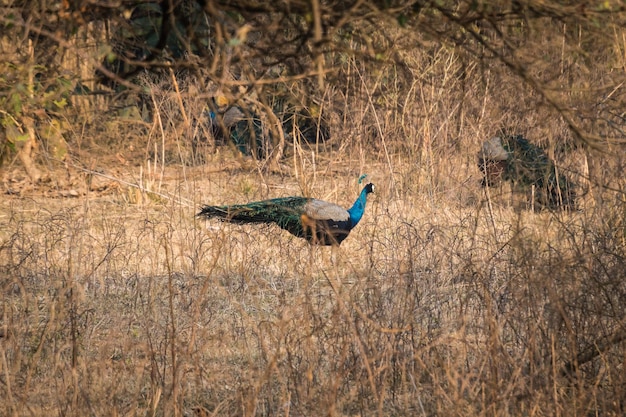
[121, 302]
[448, 299]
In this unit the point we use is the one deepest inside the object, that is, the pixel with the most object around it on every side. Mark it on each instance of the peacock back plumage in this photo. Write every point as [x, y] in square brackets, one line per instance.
[514, 158]
[317, 221]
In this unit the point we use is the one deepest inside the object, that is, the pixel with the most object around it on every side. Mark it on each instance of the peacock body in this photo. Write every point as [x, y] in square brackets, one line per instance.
[317, 221]
[514, 158]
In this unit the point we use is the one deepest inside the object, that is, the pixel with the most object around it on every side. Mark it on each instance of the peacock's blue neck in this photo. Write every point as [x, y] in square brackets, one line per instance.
[357, 210]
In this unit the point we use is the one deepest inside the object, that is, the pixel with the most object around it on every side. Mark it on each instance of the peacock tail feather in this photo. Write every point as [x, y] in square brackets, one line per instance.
[285, 212]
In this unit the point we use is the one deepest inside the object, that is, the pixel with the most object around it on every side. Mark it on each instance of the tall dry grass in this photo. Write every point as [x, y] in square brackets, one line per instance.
[447, 299]
[426, 309]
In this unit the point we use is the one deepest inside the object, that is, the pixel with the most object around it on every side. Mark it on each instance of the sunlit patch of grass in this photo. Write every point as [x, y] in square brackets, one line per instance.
[428, 307]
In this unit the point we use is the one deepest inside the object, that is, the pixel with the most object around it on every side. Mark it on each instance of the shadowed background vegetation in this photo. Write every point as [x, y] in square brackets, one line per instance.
[119, 120]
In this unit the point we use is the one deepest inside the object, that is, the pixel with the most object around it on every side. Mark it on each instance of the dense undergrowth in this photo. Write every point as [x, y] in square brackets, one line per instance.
[447, 299]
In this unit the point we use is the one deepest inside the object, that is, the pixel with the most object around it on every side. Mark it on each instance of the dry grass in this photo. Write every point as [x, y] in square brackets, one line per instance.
[445, 300]
[429, 308]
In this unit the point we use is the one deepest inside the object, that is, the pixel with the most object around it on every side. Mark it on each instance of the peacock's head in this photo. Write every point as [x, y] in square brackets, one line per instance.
[369, 188]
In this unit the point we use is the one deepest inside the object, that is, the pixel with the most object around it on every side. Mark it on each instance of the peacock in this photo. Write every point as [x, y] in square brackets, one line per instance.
[317, 221]
[514, 158]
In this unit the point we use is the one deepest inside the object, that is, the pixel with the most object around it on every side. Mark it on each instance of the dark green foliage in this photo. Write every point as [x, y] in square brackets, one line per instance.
[247, 135]
[155, 32]
[308, 128]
